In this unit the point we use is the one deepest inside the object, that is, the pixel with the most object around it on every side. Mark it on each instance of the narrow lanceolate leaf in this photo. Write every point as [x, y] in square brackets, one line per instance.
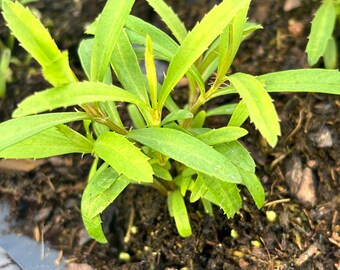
[151, 74]
[259, 104]
[164, 47]
[180, 213]
[35, 39]
[170, 19]
[5, 59]
[136, 116]
[199, 189]
[17, 130]
[177, 115]
[187, 150]
[103, 188]
[85, 54]
[254, 186]
[32, 35]
[59, 72]
[110, 24]
[330, 56]
[225, 195]
[137, 30]
[73, 94]
[230, 41]
[222, 110]
[321, 31]
[197, 41]
[51, 142]
[124, 157]
[126, 66]
[222, 135]
[94, 228]
[161, 172]
[237, 154]
[303, 80]
[239, 115]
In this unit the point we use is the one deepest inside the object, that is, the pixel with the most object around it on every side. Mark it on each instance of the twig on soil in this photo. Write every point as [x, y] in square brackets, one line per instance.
[297, 128]
[57, 261]
[130, 224]
[305, 256]
[268, 204]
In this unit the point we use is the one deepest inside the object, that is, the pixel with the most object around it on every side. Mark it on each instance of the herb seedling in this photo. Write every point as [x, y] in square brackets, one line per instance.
[169, 147]
[321, 42]
[5, 57]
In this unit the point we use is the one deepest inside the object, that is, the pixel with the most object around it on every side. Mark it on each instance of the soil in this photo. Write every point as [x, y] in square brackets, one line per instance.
[300, 175]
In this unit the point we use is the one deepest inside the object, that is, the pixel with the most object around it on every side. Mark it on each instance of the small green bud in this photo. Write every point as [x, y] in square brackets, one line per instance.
[271, 216]
[124, 257]
[234, 234]
[256, 243]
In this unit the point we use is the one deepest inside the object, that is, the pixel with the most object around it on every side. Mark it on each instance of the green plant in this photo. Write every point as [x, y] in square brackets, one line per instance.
[168, 146]
[321, 41]
[6, 57]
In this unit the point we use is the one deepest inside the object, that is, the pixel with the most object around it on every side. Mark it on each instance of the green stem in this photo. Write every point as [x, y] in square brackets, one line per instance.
[98, 116]
[202, 99]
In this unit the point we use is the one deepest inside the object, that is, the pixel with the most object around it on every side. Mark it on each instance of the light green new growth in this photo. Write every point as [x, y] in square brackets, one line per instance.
[321, 35]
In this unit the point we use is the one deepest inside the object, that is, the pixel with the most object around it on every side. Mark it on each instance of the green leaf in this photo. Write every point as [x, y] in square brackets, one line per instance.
[207, 206]
[222, 110]
[183, 182]
[226, 195]
[124, 157]
[321, 31]
[59, 73]
[259, 104]
[5, 59]
[109, 27]
[125, 65]
[254, 186]
[137, 30]
[94, 228]
[239, 115]
[187, 150]
[73, 94]
[32, 35]
[151, 74]
[161, 172]
[100, 192]
[221, 135]
[170, 19]
[54, 141]
[85, 54]
[237, 154]
[199, 189]
[196, 42]
[303, 80]
[250, 27]
[177, 115]
[17, 130]
[330, 55]
[35, 39]
[179, 212]
[211, 58]
[231, 39]
[136, 117]
[199, 119]
[164, 47]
